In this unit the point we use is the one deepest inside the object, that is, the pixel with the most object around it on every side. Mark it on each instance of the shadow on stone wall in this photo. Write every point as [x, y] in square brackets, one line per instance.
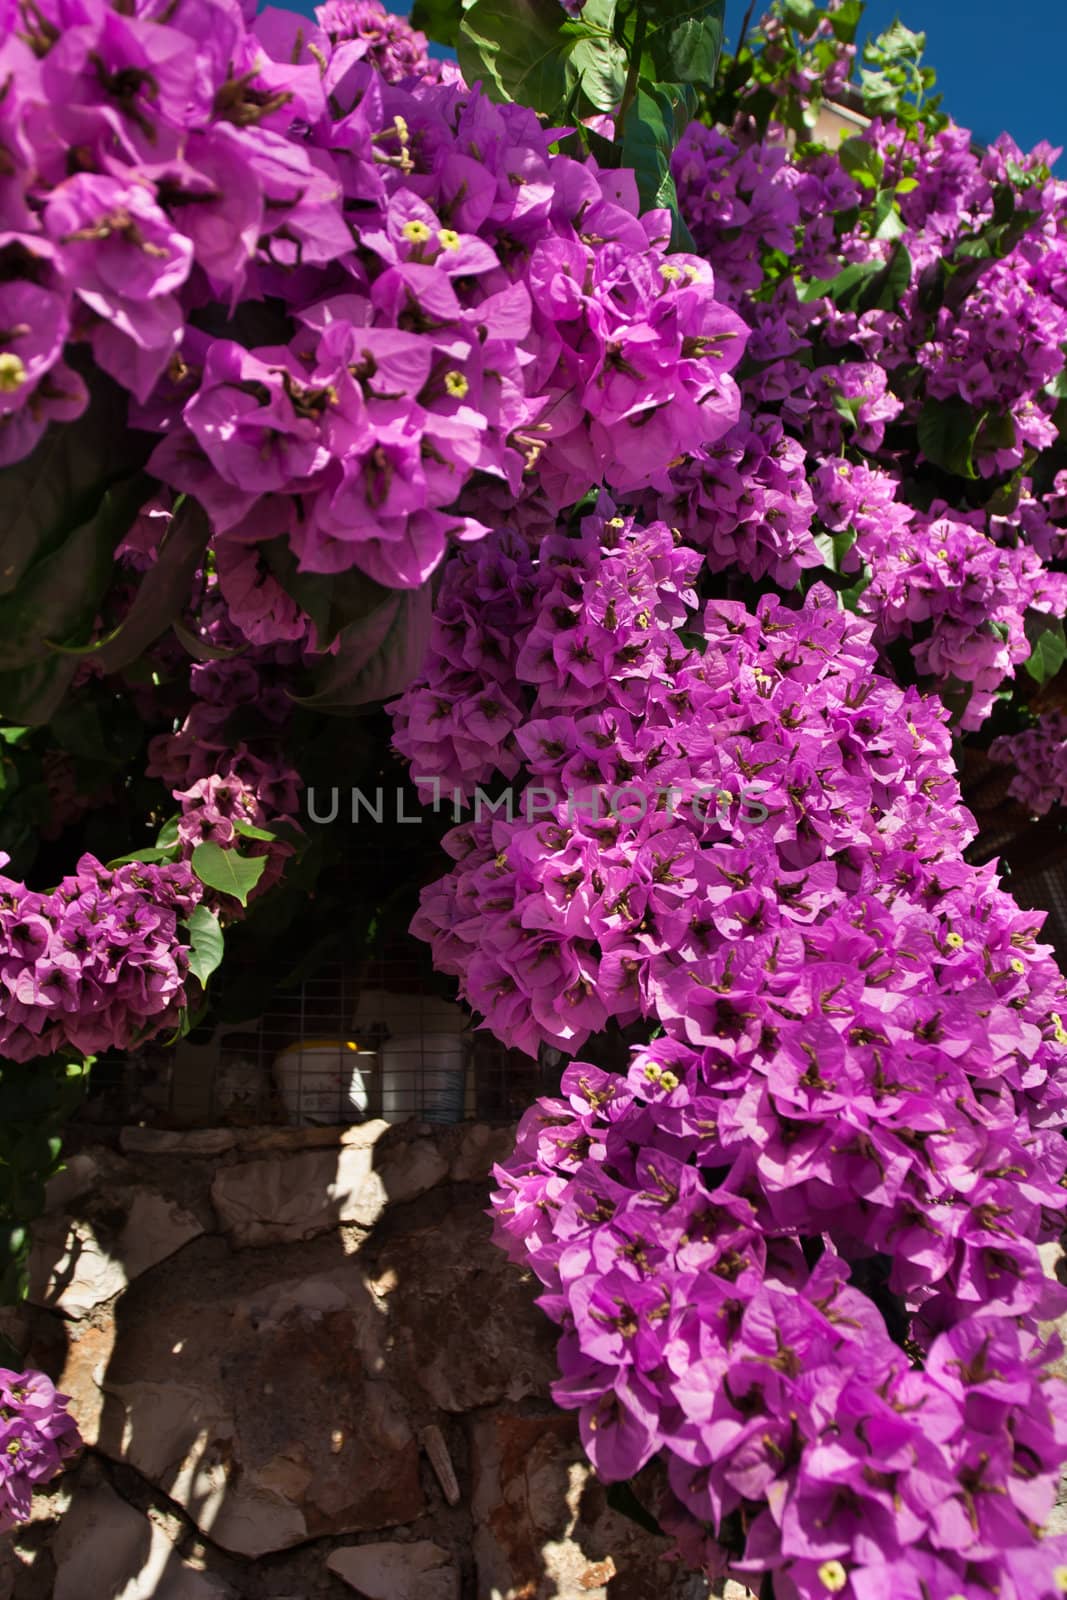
[302, 1371]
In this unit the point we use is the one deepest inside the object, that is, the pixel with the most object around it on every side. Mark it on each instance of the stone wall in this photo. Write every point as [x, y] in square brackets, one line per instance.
[301, 1371]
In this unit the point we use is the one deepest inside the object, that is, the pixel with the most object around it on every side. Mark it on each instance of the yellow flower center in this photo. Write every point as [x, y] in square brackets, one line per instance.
[415, 232]
[653, 1073]
[668, 1082]
[616, 522]
[449, 239]
[833, 1576]
[942, 555]
[672, 274]
[12, 372]
[1059, 1579]
[457, 385]
[1017, 965]
[954, 941]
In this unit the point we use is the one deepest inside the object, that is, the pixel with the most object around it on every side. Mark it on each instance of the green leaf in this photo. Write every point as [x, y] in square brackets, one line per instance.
[683, 39]
[150, 855]
[802, 14]
[332, 600]
[226, 871]
[200, 650]
[601, 67]
[60, 484]
[168, 834]
[248, 831]
[845, 20]
[861, 159]
[164, 590]
[848, 281]
[205, 944]
[439, 19]
[648, 140]
[886, 221]
[834, 546]
[895, 44]
[378, 655]
[948, 430]
[520, 50]
[1049, 646]
[34, 693]
[897, 279]
[60, 593]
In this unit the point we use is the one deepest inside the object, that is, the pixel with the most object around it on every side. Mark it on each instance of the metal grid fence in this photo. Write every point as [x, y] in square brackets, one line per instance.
[343, 1046]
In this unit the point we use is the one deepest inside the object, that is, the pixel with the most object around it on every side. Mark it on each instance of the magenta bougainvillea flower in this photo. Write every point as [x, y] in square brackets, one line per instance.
[37, 1435]
[794, 1251]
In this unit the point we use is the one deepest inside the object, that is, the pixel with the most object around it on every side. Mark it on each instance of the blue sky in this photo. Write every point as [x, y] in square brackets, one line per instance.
[1000, 66]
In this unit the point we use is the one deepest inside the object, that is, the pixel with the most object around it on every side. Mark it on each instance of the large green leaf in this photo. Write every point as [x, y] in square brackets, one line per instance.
[60, 593]
[205, 943]
[842, 288]
[683, 39]
[1049, 646]
[948, 430]
[34, 693]
[530, 51]
[332, 600]
[520, 50]
[226, 870]
[164, 589]
[58, 487]
[378, 656]
[600, 64]
[648, 139]
[438, 18]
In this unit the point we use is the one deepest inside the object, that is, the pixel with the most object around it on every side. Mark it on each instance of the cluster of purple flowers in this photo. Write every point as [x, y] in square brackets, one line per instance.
[834, 389]
[1039, 756]
[397, 50]
[939, 577]
[97, 963]
[715, 1310]
[457, 724]
[339, 287]
[37, 1435]
[794, 1252]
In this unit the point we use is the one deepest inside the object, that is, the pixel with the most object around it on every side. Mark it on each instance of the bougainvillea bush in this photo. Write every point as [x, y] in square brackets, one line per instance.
[687, 488]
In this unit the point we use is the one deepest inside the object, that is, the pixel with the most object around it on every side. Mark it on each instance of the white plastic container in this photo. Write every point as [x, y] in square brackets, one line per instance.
[423, 1075]
[324, 1080]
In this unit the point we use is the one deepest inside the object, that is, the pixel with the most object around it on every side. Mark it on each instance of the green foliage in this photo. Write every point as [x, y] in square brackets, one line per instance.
[205, 944]
[948, 433]
[1049, 646]
[684, 40]
[530, 51]
[37, 1099]
[378, 654]
[761, 78]
[438, 18]
[894, 81]
[638, 59]
[226, 870]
